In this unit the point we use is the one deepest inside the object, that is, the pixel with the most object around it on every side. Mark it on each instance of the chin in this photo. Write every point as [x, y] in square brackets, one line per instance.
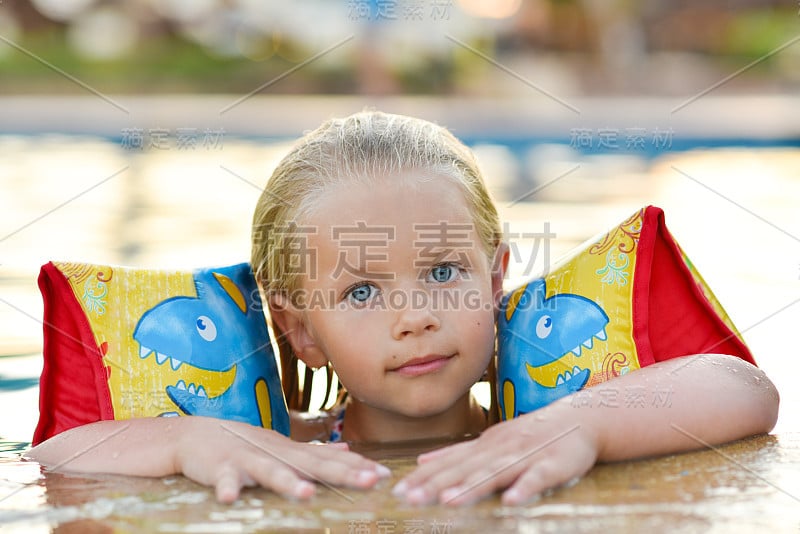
[427, 408]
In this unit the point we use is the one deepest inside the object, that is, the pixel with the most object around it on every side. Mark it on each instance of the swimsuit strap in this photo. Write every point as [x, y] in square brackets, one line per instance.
[336, 429]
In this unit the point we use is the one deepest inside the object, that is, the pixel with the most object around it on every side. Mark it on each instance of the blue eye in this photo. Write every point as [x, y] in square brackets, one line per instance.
[443, 273]
[361, 293]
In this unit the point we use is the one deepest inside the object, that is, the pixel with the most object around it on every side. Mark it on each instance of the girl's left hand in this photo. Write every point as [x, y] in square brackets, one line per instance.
[524, 457]
[714, 397]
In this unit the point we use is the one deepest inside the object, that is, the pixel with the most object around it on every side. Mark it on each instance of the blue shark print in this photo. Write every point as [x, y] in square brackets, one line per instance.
[534, 331]
[220, 329]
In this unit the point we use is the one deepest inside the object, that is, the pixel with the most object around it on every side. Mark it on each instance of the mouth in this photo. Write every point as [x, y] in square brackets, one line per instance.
[423, 365]
[571, 378]
[200, 391]
[589, 343]
[161, 358]
[566, 376]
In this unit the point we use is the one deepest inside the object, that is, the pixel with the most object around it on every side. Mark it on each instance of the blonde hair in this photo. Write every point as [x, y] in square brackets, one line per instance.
[362, 147]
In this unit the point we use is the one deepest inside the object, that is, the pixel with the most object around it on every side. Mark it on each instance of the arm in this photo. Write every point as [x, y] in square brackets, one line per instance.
[225, 454]
[712, 399]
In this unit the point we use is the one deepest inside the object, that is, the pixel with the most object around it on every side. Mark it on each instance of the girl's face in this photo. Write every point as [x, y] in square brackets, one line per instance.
[402, 298]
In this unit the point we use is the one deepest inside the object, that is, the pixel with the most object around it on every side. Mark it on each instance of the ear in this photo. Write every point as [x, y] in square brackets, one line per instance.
[289, 322]
[499, 267]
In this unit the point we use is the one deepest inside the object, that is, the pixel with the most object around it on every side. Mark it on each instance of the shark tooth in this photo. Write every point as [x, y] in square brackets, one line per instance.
[559, 380]
[576, 370]
[588, 343]
[567, 375]
[577, 350]
[601, 335]
[175, 363]
[201, 392]
[161, 358]
[192, 388]
[181, 384]
[144, 352]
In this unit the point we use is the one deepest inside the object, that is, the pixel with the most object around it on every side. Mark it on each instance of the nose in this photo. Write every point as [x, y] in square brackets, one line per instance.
[414, 320]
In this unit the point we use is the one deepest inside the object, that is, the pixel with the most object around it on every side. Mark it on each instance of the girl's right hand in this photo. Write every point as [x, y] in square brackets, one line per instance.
[229, 456]
[224, 454]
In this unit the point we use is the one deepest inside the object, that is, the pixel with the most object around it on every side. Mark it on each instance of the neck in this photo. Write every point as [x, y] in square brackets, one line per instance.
[364, 423]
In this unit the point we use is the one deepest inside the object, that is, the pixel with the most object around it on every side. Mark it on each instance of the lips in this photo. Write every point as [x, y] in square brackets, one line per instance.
[423, 365]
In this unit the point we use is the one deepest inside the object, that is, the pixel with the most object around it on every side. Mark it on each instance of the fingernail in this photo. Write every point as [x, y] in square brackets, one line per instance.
[303, 489]
[417, 496]
[400, 488]
[511, 496]
[365, 477]
[515, 497]
[383, 471]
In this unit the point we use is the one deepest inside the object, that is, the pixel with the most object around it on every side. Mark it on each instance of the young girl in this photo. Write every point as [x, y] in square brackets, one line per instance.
[379, 253]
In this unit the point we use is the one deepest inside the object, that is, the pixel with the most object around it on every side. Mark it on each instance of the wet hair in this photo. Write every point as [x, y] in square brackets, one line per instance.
[363, 148]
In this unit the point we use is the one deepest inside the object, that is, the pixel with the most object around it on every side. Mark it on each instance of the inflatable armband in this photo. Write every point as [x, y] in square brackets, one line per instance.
[122, 342]
[621, 302]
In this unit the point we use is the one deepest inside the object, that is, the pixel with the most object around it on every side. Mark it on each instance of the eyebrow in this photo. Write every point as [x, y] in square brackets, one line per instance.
[361, 272]
[462, 257]
[437, 255]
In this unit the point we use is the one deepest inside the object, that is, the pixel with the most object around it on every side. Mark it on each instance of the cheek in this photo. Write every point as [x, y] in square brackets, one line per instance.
[478, 328]
[344, 336]
[486, 324]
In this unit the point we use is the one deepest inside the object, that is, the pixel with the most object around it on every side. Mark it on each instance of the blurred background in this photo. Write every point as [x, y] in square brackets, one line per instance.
[140, 132]
[400, 46]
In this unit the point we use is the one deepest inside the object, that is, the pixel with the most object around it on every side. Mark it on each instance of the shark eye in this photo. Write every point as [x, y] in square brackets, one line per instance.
[544, 326]
[206, 328]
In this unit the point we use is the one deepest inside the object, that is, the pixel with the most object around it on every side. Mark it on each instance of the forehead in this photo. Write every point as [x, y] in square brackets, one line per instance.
[372, 229]
[406, 204]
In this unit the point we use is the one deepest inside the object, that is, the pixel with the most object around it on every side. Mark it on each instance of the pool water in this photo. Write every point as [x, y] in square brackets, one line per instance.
[733, 210]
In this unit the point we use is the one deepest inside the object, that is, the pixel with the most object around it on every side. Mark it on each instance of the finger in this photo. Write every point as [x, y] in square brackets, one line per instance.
[356, 461]
[342, 446]
[345, 475]
[527, 486]
[428, 490]
[537, 479]
[333, 466]
[441, 463]
[228, 484]
[324, 463]
[428, 481]
[280, 479]
[315, 455]
[440, 453]
[497, 474]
